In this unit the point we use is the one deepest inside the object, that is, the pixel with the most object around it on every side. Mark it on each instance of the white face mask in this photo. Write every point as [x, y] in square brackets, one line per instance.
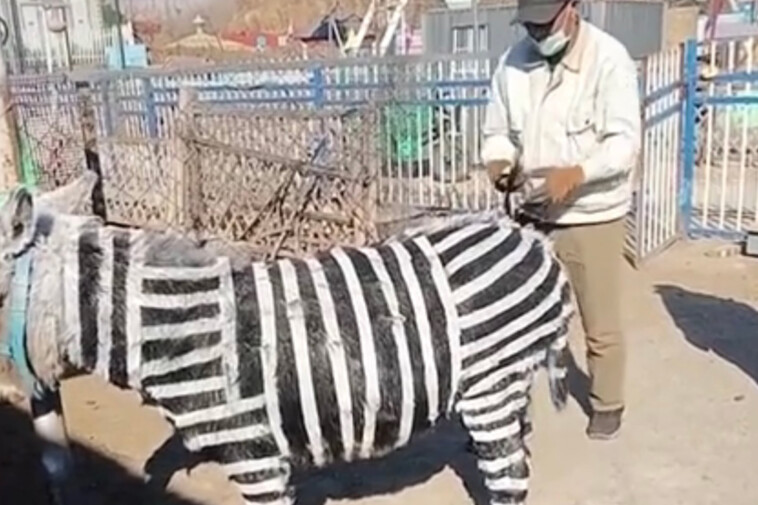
[553, 43]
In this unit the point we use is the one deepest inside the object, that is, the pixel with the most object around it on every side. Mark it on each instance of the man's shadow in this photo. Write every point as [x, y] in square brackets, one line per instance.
[728, 328]
[414, 464]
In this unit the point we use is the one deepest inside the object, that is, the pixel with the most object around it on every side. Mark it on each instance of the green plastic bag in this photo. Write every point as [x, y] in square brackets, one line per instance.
[29, 169]
[405, 131]
[29, 176]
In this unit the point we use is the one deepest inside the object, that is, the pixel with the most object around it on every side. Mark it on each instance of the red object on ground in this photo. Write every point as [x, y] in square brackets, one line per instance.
[252, 38]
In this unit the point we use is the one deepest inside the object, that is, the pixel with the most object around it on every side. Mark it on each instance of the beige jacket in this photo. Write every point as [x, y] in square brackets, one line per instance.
[585, 112]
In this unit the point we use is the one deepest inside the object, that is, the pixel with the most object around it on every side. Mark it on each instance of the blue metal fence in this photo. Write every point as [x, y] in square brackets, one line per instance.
[719, 184]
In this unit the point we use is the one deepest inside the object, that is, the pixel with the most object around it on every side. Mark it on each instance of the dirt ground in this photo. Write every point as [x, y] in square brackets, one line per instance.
[690, 437]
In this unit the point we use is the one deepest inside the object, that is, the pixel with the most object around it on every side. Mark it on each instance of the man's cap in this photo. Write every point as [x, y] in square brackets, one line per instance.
[538, 11]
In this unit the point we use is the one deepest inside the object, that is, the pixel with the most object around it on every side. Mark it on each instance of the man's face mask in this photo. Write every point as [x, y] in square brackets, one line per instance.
[550, 38]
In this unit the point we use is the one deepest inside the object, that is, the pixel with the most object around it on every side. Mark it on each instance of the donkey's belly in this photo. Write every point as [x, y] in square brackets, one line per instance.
[336, 410]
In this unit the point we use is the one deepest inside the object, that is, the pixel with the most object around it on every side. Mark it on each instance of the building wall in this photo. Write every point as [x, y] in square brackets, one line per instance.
[86, 23]
[84, 18]
[680, 25]
[636, 23]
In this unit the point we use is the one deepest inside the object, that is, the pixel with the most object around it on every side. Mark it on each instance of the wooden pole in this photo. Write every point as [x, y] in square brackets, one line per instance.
[89, 139]
[9, 156]
[184, 164]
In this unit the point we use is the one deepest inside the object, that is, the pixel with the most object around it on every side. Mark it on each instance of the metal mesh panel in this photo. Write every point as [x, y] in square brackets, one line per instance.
[50, 131]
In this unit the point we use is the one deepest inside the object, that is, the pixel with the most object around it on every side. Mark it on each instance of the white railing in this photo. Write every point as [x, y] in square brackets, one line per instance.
[657, 216]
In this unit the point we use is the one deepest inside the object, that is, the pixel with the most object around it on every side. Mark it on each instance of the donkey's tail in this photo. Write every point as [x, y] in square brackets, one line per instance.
[558, 353]
[557, 371]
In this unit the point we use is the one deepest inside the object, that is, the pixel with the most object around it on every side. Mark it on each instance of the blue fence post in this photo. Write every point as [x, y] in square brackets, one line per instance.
[689, 139]
[317, 83]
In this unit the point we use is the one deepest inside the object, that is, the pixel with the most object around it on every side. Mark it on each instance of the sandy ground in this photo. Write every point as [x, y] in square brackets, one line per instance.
[691, 432]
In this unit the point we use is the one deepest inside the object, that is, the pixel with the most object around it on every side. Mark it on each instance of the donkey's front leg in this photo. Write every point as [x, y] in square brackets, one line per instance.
[57, 459]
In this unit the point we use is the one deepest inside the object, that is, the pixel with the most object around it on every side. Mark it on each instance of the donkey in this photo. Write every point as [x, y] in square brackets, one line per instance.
[270, 367]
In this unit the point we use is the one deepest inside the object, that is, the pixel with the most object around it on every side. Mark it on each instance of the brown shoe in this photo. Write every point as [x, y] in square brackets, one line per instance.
[605, 425]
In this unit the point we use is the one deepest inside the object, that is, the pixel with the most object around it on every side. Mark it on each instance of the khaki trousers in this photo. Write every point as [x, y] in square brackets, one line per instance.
[593, 255]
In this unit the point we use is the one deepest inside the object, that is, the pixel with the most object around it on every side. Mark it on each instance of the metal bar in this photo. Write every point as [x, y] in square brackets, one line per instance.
[744, 145]
[686, 181]
[652, 208]
[730, 100]
[699, 231]
[250, 66]
[708, 147]
[662, 92]
[726, 147]
[663, 116]
[672, 145]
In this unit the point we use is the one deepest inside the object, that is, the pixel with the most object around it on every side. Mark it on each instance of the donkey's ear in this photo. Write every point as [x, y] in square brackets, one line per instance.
[73, 198]
[22, 213]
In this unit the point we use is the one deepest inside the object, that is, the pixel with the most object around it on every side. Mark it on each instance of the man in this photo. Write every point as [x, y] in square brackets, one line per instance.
[562, 130]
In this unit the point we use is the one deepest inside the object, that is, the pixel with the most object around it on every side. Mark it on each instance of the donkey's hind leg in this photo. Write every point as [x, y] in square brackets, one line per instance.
[262, 481]
[496, 421]
[57, 459]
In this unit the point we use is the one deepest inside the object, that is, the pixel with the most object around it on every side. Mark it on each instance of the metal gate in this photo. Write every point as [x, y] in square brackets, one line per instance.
[655, 214]
[720, 182]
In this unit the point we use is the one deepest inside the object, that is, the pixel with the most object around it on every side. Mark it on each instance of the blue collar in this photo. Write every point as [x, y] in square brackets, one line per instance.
[14, 345]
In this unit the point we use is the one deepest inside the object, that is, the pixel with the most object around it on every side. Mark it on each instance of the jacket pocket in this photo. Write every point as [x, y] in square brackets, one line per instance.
[581, 130]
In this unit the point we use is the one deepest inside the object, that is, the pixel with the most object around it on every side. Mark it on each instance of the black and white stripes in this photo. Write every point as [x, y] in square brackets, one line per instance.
[513, 304]
[341, 356]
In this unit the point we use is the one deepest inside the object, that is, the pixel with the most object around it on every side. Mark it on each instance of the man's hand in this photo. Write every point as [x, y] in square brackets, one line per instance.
[560, 182]
[504, 176]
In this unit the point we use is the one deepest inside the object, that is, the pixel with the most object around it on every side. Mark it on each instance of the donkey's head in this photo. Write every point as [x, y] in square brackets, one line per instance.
[16, 235]
[20, 216]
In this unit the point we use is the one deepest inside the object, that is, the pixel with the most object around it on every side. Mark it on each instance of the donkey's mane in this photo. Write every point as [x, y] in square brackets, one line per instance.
[429, 224]
[162, 248]
[172, 249]
[433, 223]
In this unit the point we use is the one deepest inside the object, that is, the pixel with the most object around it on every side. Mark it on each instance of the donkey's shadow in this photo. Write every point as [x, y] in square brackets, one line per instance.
[100, 479]
[403, 468]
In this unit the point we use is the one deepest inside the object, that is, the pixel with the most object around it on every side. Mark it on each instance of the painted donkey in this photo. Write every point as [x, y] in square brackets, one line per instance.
[270, 367]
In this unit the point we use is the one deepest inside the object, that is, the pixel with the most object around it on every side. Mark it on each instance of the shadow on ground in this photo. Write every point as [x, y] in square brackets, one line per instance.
[103, 481]
[409, 466]
[406, 467]
[727, 328]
